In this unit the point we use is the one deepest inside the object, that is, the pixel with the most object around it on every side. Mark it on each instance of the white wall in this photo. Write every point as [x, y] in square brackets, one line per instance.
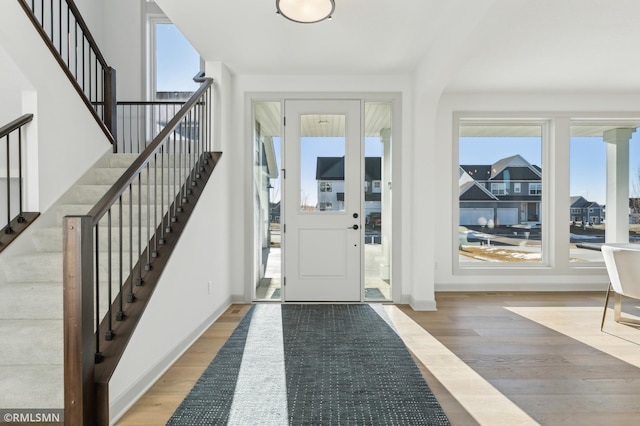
[12, 84]
[64, 124]
[191, 294]
[124, 46]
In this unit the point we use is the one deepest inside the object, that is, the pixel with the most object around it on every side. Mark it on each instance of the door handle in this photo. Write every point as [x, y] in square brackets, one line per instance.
[353, 227]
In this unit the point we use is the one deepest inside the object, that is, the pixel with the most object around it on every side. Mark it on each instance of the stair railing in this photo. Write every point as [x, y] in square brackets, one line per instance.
[67, 36]
[113, 256]
[140, 122]
[11, 148]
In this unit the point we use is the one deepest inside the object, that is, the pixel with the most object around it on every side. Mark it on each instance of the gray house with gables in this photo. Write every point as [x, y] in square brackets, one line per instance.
[507, 192]
[330, 178]
[585, 211]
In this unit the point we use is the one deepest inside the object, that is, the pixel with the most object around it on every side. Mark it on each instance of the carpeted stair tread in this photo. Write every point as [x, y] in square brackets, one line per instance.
[30, 341]
[32, 386]
[31, 300]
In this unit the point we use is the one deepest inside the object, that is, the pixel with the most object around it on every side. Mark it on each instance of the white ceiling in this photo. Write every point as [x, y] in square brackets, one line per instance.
[507, 45]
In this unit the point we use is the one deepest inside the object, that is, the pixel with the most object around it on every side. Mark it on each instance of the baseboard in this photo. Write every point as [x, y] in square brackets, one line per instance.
[122, 403]
[422, 305]
[511, 287]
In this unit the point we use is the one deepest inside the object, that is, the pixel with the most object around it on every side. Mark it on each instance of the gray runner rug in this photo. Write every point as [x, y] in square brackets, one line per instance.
[311, 365]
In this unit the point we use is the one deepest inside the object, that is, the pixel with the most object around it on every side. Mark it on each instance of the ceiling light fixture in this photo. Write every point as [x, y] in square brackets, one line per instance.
[306, 11]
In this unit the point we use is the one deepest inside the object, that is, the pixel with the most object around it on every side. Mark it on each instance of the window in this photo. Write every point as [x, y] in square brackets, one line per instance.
[377, 186]
[176, 63]
[326, 186]
[587, 184]
[267, 147]
[499, 188]
[535, 189]
[495, 227]
[171, 60]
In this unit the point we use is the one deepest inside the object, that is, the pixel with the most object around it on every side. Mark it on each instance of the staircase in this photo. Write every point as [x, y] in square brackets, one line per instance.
[31, 346]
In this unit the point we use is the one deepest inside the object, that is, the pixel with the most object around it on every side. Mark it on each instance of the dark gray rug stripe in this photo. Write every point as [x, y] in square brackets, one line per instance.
[209, 402]
[345, 366]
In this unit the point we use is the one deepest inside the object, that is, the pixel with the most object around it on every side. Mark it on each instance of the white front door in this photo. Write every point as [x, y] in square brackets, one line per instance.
[323, 201]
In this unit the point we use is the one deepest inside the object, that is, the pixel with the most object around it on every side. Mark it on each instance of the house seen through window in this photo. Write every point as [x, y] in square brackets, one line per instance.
[498, 222]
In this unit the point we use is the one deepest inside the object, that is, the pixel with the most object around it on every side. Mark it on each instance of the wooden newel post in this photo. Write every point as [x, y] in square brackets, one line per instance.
[78, 297]
[111, 105]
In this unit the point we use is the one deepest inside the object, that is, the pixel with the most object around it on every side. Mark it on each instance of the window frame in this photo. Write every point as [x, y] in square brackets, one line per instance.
[497, 119]
[500, 188]
[535, 188]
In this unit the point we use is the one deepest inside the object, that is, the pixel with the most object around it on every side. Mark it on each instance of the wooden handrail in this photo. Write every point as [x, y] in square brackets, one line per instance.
[105, 203]
[18, 122]
[107, 125]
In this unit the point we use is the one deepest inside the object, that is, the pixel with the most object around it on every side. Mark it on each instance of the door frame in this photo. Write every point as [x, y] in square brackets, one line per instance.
[395, 100]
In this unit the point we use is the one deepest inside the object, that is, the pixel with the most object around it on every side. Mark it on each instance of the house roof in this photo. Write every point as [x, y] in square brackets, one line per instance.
[474, 191]
[581, 202]
[514, 164]
[515, 161]
[332, 168]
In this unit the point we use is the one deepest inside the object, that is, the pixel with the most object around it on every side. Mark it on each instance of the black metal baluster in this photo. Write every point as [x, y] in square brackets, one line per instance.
[68, 39]
[120, 314]
[109, 333]
[147, 267]
[98, 354]
[139, 254]
[60, 26]
[8, 229]
[20, 206]
[75, 56]
[199, 145]
[130, 134]
[174, 218]
[207, 140]
[168, 227]
[141, 112]
[192, 146]
[155, 205]
[84, 76]
[183, 135]
[90, 76]
[131, 297]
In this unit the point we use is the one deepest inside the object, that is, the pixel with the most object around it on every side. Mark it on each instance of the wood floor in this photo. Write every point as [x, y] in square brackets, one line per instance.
[490, 358]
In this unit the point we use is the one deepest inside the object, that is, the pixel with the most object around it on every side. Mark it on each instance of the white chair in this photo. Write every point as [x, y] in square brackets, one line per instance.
[623, 266]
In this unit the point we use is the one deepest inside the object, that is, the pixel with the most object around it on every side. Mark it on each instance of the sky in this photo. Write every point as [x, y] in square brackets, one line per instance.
[177, 61]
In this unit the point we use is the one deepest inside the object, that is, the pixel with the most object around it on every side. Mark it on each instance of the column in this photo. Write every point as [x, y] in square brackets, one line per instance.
[617, 228]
